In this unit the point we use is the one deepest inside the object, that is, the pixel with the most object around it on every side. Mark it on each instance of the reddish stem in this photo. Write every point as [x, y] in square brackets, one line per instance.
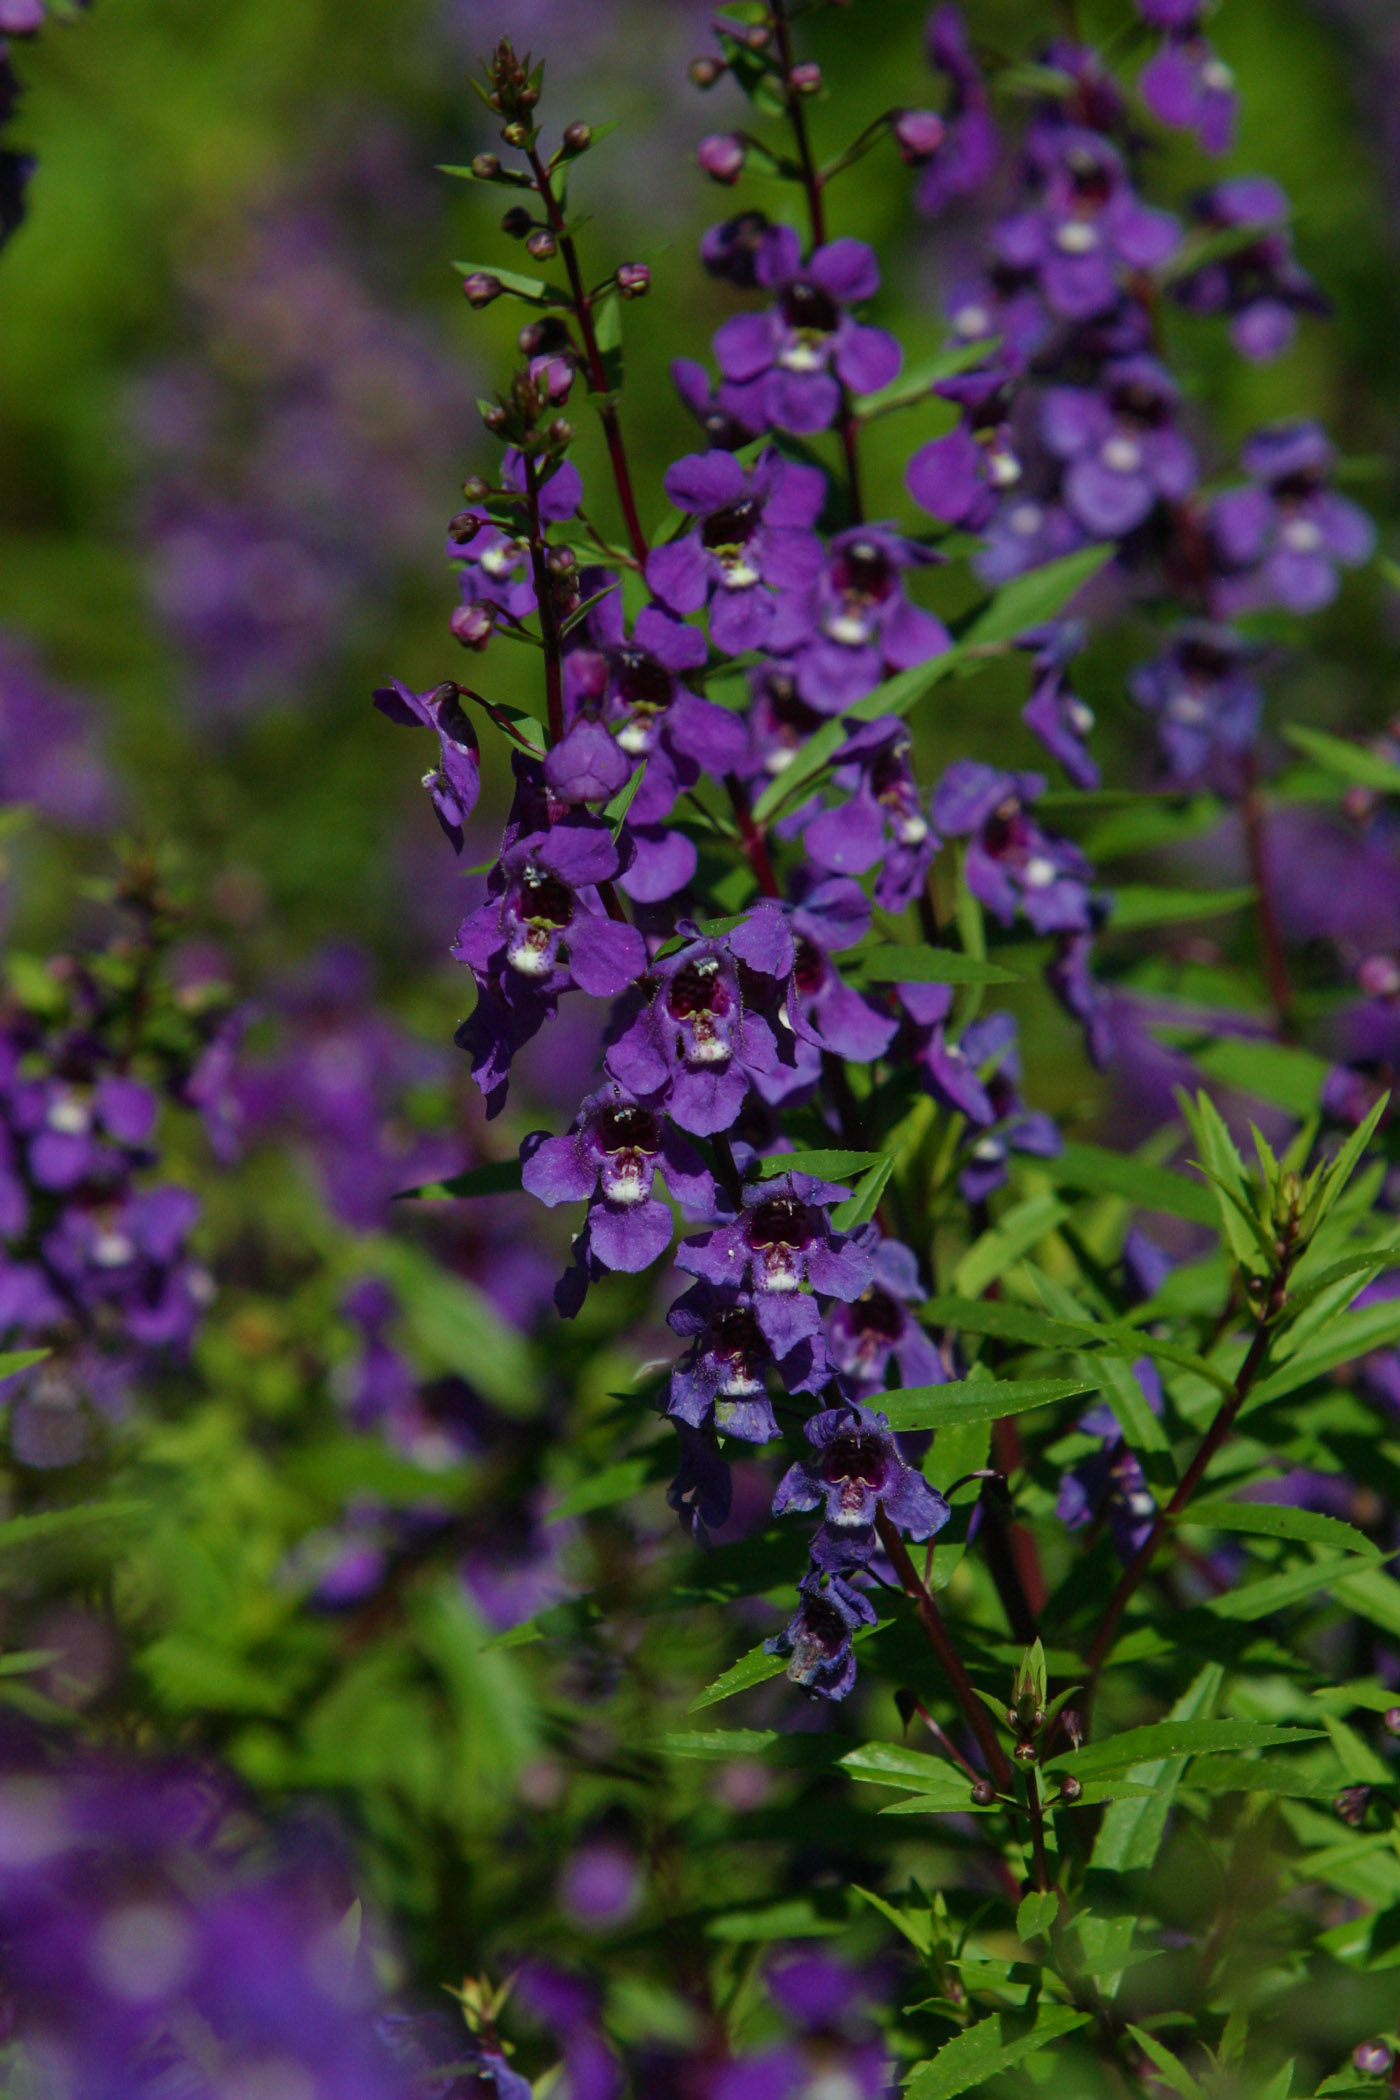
[751, 832]
[544, 599]
[950, 1662]
[597, 371]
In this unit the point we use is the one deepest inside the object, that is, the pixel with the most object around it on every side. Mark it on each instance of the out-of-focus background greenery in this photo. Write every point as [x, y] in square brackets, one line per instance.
[237, 385]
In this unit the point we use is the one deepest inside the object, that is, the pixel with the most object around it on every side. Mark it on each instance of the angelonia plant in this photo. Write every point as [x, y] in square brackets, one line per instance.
[1027, 1499]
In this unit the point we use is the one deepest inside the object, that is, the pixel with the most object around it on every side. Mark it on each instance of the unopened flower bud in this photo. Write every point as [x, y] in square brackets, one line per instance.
[561, 431]
[1071, 1789]
[633, 280]
[516, 222]
[562, 561]
[515, 134]
[542, 244]
[549, 336]
[480, 288]
[486, 166]
[1391, 1718]
[528, 96]
[759, 37]
[476, 488]
[464, 527]
[1373, 2059]
[983, 1793]
[918, 133]
[1024, 1753]
[1352, 1803]
[471, 625]
[1379, 977]
[806, 79]
[704, 72]
[577, 138]
[495, 418]
[722, 155]
[1359, 804]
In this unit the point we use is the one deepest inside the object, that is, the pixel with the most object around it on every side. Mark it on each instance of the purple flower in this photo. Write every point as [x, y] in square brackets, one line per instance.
[633, 685]
[789, 364]
[718, 409]
[968, 155]
[883, 822]
[961, 477]
[988, 1047]
[854, 626]
[456, 782]
[539, 934]
[751, 534]
[1261, 286]
[1119, 446]
[1110, 1483]
[609, 1160]
[1012, 865]
[1282, 539]
[1089, 233]
[50, 751]
[1186, 85]
[1206, 705]
[1073, 983]
[702, 1491]
[817, 1638]
[781, 1241]
[1055, 713]
[721, 1378]
[824, 1011]
[695, 1043]
[732, 249]
[864, 1336]
[779, 723]
[854, 1469]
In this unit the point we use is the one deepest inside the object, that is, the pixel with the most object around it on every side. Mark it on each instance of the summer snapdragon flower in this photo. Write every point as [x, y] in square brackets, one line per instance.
[784, 1249]
[751, 534]
[1282, 538]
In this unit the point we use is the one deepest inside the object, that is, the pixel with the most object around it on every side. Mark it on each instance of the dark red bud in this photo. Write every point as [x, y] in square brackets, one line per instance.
[476, 488]
[1024, 1753]
[542, 244]
[515, 134]
[561, 431]
[1071, 1789]
[1373, 2059]
[464, 527]
[495, 418]
[918, 133]
[481, 288]
[486, 166]
[806, 79]
[577, 138]
[633, 280]
[516, 222]
[704, 72]
[983, 1793]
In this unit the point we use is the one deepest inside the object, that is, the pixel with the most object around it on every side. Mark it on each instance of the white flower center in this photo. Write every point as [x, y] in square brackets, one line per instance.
[528, 953]
[1217, 76]
[800, 356]
[738, 575]
[1003, 468]
[499, 561]
[1121, 455]
[972, 321]
[910, 831]
[1026, 520]
[1076, 237]
[1039, 872]
[112, 1250]
[1302, 535]
[142, 1951]
[1187, 707]
[68, 1116]
[849, 628]
[1079, 716]
[635, 738]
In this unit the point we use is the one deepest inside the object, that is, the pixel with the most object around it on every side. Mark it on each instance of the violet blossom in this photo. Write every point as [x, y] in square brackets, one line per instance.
[455, 782]
[1206, 705]
[971, 146]
[1259, 285]
[1119, 446]
[883, 822]
[854, 626]
[721, 1378]
[692, 1040]
[785, 1250]
[609, 1160]
[816, 1641]
[1088, 233]
[788, 365]
[1013, 866]
[855, 1469]
[1186, 85]
[751, 533]
[865, 1336]
[1282, 538]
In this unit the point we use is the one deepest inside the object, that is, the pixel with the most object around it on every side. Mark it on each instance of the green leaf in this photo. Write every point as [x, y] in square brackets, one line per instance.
[19, 1534]
[1374, 1596]
[916, 1925]
[607, 329]
[799, 1917]
[1041, 594]
[975, 1400]
[822, 1166]
[1219, 1160]
[616, 810]
[754, 1668]
[1259, 1775]
[1140, 904]
[1276, 1072]
[1172, 2069]
[1100, 1172]
[20, 1360]
[1256, 1600]
[922, 965]
[533, 290]
[617, 1483]
[858, 1209]
[991, 2046]
[1003, 1244]
[1347, 760]
[895, 1764]
[719, 1745]
[453, 1323]
[1119, 1753]
[1036, 1913]
[1132, 1831]
[497, 1178]
[1278, 1520]
[1346, 1337]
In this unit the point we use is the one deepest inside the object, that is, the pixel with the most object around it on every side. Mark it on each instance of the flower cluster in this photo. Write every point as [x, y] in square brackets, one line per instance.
[96, 1269]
